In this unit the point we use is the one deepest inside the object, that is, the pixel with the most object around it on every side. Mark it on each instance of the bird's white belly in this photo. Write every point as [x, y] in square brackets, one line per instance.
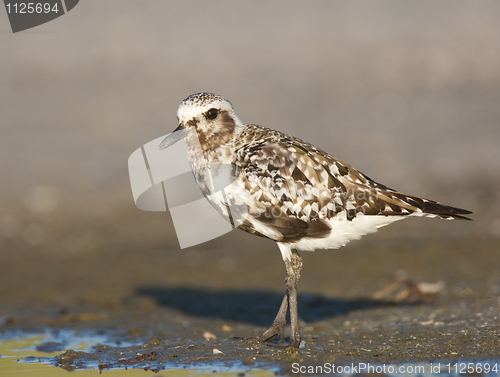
[344, 231]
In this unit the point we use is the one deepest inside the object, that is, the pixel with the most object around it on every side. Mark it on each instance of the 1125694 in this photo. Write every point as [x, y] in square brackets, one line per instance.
[30, 8]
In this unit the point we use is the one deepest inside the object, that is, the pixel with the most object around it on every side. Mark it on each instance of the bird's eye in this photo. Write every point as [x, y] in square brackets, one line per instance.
[211, 114]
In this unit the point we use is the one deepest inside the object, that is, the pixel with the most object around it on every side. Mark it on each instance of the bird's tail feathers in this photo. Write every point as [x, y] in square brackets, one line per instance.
[429, 208]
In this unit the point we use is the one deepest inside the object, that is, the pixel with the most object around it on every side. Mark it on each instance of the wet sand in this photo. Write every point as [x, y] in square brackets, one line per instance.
[222, 294]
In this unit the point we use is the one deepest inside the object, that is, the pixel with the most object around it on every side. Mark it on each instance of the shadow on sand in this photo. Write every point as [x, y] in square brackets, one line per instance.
[254, 307]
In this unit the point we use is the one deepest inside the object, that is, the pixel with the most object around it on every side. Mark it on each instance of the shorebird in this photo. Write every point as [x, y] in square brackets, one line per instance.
[295, 194]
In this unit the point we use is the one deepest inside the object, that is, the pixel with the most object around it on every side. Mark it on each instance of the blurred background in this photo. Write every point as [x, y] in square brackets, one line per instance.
[408, 93]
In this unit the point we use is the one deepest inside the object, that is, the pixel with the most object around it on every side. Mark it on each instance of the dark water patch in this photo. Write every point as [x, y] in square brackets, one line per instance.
[50, 346]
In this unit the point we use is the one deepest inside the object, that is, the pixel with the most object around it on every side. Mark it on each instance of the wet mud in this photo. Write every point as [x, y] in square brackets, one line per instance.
[152, 306]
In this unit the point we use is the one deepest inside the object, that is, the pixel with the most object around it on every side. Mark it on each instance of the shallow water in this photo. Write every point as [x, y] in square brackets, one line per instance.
[26, 354]
[38, 354]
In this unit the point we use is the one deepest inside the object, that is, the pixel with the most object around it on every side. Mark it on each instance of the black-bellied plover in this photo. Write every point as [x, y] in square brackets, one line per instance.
[294, 193]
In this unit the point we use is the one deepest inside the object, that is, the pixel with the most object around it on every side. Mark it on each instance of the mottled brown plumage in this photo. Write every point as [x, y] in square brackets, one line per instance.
[291, 192]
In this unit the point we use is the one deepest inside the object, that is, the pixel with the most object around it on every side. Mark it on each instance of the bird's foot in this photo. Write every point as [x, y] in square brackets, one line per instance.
[277, 332]
[271, 334]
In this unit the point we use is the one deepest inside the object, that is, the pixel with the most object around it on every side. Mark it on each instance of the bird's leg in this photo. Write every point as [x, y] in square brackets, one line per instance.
[276, 328]
[293, 268]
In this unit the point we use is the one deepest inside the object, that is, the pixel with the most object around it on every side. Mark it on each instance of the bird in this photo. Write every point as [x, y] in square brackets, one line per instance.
[292, 192]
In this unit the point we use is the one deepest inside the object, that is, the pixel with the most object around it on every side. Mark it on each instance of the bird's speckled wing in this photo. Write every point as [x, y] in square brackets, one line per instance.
[301, 182]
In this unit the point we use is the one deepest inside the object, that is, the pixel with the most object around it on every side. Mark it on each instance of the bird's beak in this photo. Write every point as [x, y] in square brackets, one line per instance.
[177, 135]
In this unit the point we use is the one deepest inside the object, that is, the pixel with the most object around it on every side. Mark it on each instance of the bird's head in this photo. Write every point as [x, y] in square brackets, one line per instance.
[211, 116]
